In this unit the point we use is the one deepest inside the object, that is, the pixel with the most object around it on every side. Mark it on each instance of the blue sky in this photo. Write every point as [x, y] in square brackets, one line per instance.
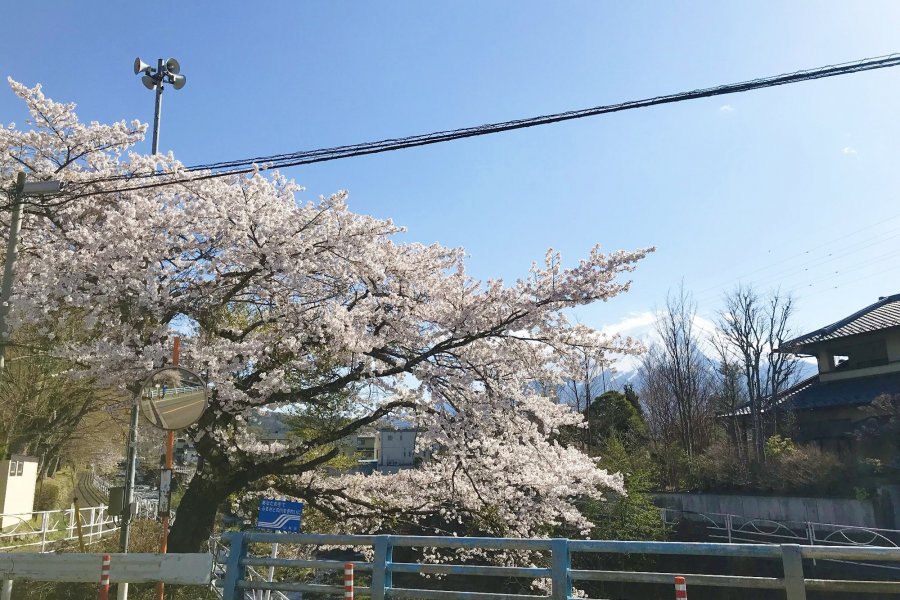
[794, 186]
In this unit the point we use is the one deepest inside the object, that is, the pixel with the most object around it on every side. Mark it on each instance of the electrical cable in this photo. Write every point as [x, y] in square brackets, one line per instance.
[809, 253]
[250, 165]
[807, 268]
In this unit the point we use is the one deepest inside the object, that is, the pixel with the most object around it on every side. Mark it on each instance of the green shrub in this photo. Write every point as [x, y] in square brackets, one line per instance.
[789, 469]
[632, 516]
[48, 495]
[777, 446]
[805, 470]
[721, 468]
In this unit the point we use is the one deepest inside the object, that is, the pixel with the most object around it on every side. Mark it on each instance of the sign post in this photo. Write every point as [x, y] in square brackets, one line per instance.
[279, 515]
[165, 492]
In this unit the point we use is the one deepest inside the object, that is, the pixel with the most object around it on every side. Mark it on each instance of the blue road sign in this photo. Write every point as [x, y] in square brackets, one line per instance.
[280, 515]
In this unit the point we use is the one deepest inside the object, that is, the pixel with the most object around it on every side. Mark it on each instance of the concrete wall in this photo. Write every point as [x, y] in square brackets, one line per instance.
[839, 511]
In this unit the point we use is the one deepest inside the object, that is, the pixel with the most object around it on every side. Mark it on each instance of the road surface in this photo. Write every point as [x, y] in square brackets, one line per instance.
[86, 493]
[175, 409]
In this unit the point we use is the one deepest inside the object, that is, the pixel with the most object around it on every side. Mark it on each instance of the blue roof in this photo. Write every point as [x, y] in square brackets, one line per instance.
[812, 394]
[858, 391]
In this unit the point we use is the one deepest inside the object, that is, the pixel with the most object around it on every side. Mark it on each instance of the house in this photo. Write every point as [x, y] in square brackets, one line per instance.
[395, 448]
[365, 446]
[387, 449]
[857, 381]
[358, 446]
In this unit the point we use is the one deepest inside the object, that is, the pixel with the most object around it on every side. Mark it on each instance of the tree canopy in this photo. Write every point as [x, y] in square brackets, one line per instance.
[289, 303]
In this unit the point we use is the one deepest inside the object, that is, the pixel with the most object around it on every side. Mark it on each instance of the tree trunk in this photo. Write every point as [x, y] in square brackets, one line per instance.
[198, 506]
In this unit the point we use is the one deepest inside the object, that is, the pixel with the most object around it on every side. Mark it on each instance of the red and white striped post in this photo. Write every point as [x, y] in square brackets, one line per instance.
[680, 589]
[104, 579]
[348, 581]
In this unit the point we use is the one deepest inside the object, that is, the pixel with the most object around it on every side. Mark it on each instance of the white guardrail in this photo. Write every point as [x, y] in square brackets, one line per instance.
[179, 569]
[42, 529]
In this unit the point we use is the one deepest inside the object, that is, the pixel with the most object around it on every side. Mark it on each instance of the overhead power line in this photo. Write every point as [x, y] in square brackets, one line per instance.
[139, 181]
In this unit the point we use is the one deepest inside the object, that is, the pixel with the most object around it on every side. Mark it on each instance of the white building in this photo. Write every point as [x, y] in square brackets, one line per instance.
[395, 449]
[18, 478]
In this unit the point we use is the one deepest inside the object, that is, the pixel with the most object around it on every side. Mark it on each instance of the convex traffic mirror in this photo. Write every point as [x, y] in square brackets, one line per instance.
[173, 398]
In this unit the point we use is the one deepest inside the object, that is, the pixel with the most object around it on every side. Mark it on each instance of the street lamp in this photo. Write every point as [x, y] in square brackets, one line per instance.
[166, 71]
[23, 189]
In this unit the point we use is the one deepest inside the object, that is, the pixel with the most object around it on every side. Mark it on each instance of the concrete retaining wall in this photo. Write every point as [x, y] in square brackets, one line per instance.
[840, 511]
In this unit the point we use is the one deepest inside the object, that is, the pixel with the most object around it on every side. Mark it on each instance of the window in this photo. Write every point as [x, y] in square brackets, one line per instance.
[20, 467]
[390, 437]
[12, 468]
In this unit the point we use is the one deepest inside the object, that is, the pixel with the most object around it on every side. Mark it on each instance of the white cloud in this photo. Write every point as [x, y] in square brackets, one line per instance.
[848, 150]
[642, 326]
[727, 108]
[635, 322]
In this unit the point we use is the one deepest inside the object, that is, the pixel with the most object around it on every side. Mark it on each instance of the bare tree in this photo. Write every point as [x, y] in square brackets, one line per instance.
[581, 392]
[730, 392]
[677, 378]
[750, 328]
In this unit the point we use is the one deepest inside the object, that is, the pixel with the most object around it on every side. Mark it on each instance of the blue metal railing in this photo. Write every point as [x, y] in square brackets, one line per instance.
[559, 570]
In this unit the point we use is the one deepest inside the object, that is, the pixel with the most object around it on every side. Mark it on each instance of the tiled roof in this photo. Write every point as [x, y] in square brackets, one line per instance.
[844, 392]
[744, 409]
[812, 393]
[884, 314]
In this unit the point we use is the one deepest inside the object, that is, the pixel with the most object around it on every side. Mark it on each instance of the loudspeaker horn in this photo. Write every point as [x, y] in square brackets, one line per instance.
[172, 66]
[140, 65]
[177, 81]
[148, 82]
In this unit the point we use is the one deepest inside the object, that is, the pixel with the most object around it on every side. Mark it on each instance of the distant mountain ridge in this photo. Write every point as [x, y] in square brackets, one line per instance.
[626, 369]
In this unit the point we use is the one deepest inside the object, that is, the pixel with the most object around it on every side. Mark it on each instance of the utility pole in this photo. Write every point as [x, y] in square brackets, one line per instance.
[157, 111]
[130, 468]
[12, 251]
[167, 71]
[21, 190]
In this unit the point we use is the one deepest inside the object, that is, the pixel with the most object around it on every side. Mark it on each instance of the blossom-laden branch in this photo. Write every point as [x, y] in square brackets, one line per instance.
[286, 304]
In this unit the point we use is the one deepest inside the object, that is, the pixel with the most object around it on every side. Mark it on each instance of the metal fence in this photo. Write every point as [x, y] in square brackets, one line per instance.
[236, 578]
[737, 528]
[43, 529]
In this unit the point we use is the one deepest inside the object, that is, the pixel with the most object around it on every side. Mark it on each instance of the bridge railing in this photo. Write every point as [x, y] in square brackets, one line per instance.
[558, 570]
[180, 569]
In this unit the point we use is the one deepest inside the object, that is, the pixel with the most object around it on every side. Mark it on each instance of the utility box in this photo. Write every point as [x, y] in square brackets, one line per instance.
[116, 501]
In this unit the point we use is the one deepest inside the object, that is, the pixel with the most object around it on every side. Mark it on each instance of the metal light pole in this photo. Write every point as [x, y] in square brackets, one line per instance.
[21, 190]
[167, 71]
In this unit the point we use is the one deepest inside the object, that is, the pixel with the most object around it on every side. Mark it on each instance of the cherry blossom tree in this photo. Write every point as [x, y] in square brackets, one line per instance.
[283, 303]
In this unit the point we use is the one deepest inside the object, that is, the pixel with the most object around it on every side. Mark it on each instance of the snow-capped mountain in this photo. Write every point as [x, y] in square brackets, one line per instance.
[642, 327]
